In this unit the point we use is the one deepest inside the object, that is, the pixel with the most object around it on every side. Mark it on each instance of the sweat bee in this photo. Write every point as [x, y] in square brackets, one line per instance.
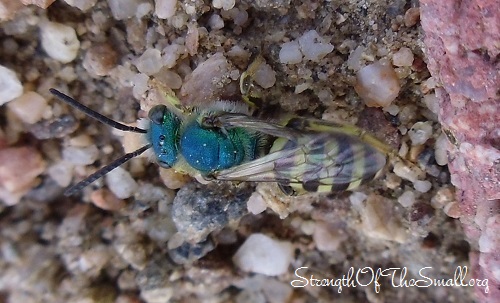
[224, 142]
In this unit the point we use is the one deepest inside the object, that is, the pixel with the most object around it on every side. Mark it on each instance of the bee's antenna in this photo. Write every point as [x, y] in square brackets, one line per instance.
[93, 114]
[106, 169]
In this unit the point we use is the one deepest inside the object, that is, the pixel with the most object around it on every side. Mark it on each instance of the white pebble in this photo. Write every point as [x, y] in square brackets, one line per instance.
[403, 57]
[377, 84]
[441, 150]
[215, 22]
[256, 204]
[165, 9]
[290, 53]
[121, 183]
[29, 107]
[150, 62]
[327, 238]
[405, 172]
[432, 102]
[264, 255]
[123, 9]
[420, 132]
[357, 199]
[80, 155]
[422, 186]
[171, 53]
[265, 76]
[313, 46]
[407, 198]
[10, 86]
[224, 4]
[60, 41]
[143, 9]
[61, 172]
[83, 5]
[354, 60]
[140, 83]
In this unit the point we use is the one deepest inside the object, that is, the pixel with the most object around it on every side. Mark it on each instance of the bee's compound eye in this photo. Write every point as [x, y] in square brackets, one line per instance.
[157, 113]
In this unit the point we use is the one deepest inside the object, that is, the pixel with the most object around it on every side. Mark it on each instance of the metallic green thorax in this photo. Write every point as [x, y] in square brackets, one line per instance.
[187, 145]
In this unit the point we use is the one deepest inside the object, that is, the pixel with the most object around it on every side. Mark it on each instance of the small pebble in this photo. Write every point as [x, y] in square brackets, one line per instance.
[420, 132]
[422, 186]
[377, 84]
[165, 9]
[61, 172]
[403, 57]
[82, 5]
[188, 253]
[100, 59]
[290, 53]
[121, 183]
[58, 127]
[59, 41]
[19, 167]
[29, 107]
[313, 46]
[215, 22]
[452, 210]
[441, 150]
[327, 238]
[379, 221]
[123, 9]
[140, 85]
[407, 198]
[265, 76]
[172, 179]
[104, 199]
[199, 209]
[256, 204]
[264, 255]
[8, 9]
[10, 86]
[224, 4]
[150, 62]
[412, 16]
[80, 155]
[40, 3]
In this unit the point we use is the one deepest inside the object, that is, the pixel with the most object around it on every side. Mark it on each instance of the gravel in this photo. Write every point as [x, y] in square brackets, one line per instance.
[145, 234]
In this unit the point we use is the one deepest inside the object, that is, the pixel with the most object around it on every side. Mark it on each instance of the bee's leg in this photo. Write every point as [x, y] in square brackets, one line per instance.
[287, 190]
[249, 91]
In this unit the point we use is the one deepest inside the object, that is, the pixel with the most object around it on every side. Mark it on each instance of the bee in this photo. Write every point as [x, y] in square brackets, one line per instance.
[224, 142]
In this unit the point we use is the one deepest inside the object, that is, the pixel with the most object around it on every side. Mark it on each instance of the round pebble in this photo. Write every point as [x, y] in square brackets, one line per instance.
[377, 84]
[403, 57]
[313, 46]
[420, 132]
[407, 198]
[10, 86]
[150, 62]
[80, 155]
[29, 107]
[290, 53]
[100, 59]
[165, 9]
[59, 41]
[264, 255]
[121, 183]
[104, 199]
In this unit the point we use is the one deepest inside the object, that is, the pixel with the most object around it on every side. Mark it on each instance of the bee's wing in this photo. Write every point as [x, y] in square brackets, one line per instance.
[318, 161]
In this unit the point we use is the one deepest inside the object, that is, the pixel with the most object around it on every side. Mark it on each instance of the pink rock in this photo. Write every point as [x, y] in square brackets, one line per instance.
[462, 47]
[19, 166]
[39, 3]
[105, 199]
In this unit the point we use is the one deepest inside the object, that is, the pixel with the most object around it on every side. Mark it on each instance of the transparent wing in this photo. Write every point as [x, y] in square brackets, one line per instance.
[325, 160]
